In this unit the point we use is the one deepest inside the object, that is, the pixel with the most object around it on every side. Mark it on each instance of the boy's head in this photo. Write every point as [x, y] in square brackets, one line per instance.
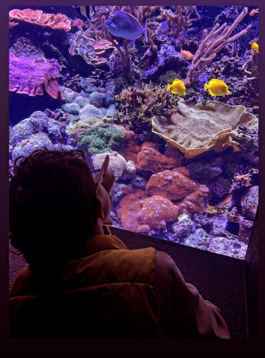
[52, 200]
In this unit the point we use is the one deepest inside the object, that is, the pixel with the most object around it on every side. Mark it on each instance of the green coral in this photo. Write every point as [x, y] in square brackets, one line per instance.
[99, 139]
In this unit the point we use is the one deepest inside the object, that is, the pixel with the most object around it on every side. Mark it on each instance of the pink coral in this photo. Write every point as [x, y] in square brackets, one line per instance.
[171, 185]
[150, 159]
[59, 21]
[156, 212]
[78, 23]
[29, 75]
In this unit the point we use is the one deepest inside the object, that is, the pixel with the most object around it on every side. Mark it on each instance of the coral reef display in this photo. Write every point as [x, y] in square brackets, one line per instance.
[185, 162]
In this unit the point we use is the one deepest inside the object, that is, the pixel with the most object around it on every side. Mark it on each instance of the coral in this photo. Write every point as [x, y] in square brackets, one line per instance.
[156, 212]
[24, 47]
[137, 112]
[199, 239]
[217, 122]
[248, 142]
[100, 138]
[149, 159]
[78, 23]
[180, 22]
[194, 202]
[171, 185]
[129, 208]
[59, 21]
[232, 248]
[130, 149]
[29, 75]
[212, 43]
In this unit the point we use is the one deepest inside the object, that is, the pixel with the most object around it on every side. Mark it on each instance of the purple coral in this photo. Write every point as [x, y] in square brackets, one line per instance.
[29, 75]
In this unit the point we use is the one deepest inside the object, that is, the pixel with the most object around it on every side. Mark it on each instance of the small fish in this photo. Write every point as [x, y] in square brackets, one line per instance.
[124, 25]
[177, 87]
[86, 11]
[255, 47]
[216, 87]
[253, 12]
[185, 54]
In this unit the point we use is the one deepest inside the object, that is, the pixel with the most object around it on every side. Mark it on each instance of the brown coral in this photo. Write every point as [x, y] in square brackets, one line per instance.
[149, 159]
[171, 185]
[197, 128]
[59, 21]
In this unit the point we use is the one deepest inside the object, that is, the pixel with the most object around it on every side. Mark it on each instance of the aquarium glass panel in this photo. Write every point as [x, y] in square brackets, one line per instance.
[170, 93]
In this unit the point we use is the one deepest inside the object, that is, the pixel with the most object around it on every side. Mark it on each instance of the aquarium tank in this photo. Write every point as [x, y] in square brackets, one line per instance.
[170, 93]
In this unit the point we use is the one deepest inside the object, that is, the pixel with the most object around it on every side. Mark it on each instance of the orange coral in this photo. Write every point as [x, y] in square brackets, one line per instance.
[150, 159]
[59, 21]
[171, 185]
[156, 212]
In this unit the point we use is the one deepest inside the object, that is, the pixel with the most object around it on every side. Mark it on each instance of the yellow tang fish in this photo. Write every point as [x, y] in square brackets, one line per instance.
[216, 87]
[177, 87]
[255, 47]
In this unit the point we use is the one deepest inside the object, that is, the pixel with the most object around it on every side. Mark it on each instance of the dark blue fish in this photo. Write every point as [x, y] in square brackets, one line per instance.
[122, 24]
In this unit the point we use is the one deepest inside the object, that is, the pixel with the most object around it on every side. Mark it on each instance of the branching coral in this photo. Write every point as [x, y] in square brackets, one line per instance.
[137, 110]
[212, 43]
[59, 21]
[180, 22]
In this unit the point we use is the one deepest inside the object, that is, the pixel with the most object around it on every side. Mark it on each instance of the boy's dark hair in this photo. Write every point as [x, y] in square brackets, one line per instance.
[51, 202]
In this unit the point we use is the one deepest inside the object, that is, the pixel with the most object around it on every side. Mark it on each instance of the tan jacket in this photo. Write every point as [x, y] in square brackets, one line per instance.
[107, 291]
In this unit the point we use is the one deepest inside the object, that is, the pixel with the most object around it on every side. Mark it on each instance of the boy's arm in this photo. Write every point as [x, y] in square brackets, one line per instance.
[183, 311]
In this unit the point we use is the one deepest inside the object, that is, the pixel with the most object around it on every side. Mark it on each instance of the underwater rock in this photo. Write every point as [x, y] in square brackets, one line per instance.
[30, 75]
[197, 128]
[249, 202]
[194, 202]
[36, 123]
[156, 212]
[90, 111]
[88, 85]
[100, 138]
[171, 185]
[81, 101]
[245, 229]
[130, 171]
[71, 108]
[130, 149]
[117, 164]
[139, 182]
[202, 170]
[129, 208]
[199, 239]
[149, 159]
[118, 191]
[232, 248]
[219, 224]
[220, 187]
[69, 94]
[248, 142]
[96, 99]
[31, 143]
[111, 110]
[183, 227]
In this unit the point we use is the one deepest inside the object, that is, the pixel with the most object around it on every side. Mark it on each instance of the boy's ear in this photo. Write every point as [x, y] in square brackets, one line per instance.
[100, 211]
